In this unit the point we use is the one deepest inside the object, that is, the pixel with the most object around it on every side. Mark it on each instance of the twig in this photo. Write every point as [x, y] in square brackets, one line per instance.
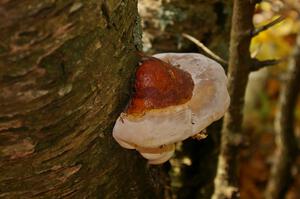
[205, 49]
[257, 64]
[267, 26]
[286, 151]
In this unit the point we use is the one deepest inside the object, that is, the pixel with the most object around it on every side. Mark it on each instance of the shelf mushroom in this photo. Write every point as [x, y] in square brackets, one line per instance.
[177, 95]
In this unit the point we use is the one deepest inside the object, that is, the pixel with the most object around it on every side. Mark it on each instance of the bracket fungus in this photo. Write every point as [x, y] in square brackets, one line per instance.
[177, 95]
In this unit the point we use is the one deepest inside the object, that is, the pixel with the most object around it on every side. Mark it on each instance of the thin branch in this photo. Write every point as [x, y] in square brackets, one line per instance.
[205, 49]
[257, 64]
[267, 26]
[286, 151]
[226, 179]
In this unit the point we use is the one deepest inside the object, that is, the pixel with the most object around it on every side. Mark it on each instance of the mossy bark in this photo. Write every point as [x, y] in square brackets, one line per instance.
[65, 70]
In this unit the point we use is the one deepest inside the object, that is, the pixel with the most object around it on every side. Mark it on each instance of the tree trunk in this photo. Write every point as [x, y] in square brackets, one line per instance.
[65, 71]
[239, 69]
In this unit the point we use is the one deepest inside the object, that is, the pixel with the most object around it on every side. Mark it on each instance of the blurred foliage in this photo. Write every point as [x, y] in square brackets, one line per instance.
[274, 43]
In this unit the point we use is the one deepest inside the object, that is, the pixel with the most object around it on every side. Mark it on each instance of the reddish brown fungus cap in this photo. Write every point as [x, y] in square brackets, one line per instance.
[159, 85]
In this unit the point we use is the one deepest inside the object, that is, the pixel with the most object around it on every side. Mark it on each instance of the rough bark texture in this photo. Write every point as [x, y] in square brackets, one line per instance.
[286, 151]
[238, 71]
[65, 69]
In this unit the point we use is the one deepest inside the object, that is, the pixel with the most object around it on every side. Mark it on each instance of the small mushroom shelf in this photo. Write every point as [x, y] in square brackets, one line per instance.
[177, 95]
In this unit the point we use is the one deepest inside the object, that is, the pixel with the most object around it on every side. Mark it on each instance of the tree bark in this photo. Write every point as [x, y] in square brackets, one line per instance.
[286, 151]
[65, 70]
